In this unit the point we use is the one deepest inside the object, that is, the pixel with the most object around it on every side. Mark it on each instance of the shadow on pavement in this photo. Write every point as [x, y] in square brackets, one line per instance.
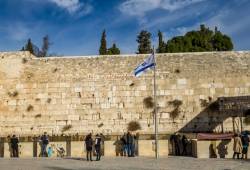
[58, 168]
[76, 158]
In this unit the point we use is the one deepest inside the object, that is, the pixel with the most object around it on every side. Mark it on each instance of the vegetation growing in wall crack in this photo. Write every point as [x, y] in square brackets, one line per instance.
[13, 94]
[38, 116]
[30, 108]
[148, 102]
[177, 71]
[176, 111]
[66, 128]
[48, 100]
[134, 126]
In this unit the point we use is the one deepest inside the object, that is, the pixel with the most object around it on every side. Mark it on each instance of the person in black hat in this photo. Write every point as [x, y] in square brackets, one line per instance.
[89, 146]
[14, 146]
[98, 147]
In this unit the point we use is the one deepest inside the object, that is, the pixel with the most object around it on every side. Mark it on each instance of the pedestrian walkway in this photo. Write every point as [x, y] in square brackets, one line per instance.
[124, 163]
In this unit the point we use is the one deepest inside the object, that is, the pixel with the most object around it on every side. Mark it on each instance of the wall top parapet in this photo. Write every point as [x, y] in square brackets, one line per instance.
[16, 54]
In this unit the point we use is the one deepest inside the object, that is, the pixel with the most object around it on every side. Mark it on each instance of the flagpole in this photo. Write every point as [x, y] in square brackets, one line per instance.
[155, 112]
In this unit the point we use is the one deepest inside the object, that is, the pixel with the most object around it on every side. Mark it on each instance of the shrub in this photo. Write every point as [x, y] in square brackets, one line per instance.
[54, 70]
[66, 128]
[204, 103]
[134, 126]
[176, 111]
[30, 108]
[100, 125]
[175, 103]
[48, 100]
[177, 71]
[148, 102]
[13, 94]
[38, 116]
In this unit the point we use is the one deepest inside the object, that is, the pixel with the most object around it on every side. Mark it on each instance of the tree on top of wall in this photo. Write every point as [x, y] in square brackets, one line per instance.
[29, 46]
[103, 46]
[45, 46]
[144, 42]
[113, 50]
[161, 43]
[196, 41]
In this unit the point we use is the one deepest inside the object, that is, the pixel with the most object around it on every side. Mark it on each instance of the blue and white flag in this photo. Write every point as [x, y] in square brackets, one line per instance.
[147, 64]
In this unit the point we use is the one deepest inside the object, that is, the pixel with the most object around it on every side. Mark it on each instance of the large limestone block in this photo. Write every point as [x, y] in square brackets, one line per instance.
[7, 150]
[78, 149]
[202, 150]
[163, 147]
[146, 148]
[26, 149]
[109, 148]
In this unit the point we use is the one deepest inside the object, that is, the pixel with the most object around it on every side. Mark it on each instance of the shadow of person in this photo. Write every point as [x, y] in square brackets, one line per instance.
[222, 148]
[212, 153]
[75, 158]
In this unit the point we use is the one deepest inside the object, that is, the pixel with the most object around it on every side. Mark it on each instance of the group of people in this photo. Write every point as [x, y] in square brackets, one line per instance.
[96, 143]
[126, 145]
[241, 144]
[179, 142]
[14, 148]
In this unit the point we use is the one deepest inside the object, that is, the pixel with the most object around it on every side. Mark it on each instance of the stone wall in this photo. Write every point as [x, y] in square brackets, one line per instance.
[100, 94]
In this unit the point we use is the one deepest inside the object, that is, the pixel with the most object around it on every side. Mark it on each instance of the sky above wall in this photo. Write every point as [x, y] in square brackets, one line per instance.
[75, 26]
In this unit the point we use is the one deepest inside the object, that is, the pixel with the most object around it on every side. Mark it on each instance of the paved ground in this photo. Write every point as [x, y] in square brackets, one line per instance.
[118, 163]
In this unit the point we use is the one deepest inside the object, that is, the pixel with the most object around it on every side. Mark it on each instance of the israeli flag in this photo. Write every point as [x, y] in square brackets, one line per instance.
[146, 65]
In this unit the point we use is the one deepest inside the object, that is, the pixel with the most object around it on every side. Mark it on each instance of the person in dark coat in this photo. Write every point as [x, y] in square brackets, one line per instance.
[130, 142]
[175, 142]
[44, 143]
[245, 144]
[184, 141]
[98, 141]
[14, 146]
[89, 145]
[124, 145]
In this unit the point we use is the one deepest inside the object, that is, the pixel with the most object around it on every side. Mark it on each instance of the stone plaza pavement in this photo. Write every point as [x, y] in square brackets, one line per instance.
[123, 163]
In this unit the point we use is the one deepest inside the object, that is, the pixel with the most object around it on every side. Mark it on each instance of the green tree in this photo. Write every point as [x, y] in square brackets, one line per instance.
[201, 40]
[45, 46]
[114, 50]
[103, 46]
[144, 42]
[161, 44]
[29, 46]
[222, 42]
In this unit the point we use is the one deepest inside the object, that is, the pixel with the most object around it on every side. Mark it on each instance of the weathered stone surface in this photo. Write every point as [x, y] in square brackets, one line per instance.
[101, 94]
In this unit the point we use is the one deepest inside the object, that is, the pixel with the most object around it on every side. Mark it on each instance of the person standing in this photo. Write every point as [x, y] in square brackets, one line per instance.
[245, 144]
[89, 145]
[44, 143]
[184, 141]
[130, 144]
[98, 141]
[124, 145]
[237, 146]
[14, 146]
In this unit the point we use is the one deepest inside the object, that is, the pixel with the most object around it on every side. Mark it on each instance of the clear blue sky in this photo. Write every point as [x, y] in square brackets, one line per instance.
[75, 26]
